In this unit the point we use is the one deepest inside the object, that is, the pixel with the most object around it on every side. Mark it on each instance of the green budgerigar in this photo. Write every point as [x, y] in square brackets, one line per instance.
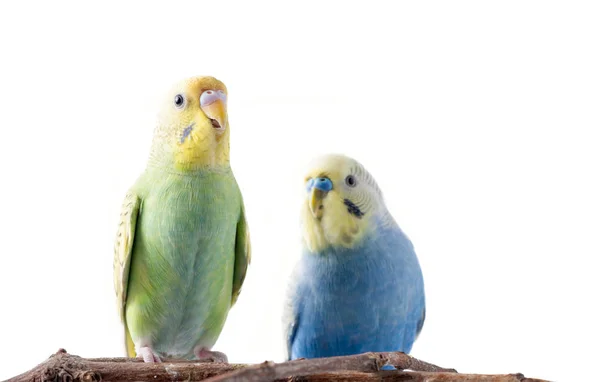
[182, 247]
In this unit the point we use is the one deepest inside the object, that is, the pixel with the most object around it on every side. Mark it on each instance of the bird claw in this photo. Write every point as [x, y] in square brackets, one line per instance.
[205, 355]
[148, 355]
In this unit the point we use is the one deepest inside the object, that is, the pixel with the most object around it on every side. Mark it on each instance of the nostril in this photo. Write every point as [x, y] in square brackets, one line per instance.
[208, 97]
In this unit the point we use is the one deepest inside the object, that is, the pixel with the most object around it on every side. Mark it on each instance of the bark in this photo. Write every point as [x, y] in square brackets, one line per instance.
[64, 367]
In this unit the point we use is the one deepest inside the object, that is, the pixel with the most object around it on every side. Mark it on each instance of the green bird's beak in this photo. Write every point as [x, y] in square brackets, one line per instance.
[214, 105]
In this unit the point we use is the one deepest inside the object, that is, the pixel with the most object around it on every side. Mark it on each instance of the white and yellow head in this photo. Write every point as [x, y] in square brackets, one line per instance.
[193, 128]
[342, 201]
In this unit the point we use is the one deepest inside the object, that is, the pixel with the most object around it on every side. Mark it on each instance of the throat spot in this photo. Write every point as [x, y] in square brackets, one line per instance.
[353, 208]
[186, 132]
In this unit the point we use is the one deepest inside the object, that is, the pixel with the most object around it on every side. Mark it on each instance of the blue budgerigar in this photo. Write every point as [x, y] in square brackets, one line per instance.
[358, 286]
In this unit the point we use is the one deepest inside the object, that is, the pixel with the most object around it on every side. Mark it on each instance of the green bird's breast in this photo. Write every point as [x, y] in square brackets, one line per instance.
[183, 258]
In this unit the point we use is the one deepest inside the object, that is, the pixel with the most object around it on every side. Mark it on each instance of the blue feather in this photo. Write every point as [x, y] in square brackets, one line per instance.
[350, 301]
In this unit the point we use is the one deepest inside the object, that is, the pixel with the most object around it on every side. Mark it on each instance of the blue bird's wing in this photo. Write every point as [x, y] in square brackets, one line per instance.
[421, 322]
[291, 312]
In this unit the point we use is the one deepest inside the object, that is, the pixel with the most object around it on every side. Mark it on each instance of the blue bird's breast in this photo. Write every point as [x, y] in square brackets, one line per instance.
[351, 301]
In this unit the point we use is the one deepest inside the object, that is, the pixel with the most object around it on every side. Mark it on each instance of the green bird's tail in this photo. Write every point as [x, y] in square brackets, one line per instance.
[129, 345]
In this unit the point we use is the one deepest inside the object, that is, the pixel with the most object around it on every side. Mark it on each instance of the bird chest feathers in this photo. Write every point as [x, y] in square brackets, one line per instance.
[191, 213]
[184, 256]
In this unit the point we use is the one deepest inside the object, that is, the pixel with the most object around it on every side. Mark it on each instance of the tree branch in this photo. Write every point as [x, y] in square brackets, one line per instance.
[64, 367]
[366, 362]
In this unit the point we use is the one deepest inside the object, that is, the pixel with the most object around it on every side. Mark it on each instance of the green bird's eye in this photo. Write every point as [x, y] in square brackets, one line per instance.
[351, 181]
[179, 101]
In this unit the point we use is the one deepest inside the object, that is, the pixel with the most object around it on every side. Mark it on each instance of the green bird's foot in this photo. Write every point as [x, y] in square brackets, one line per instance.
[148, 355]
[205, 355]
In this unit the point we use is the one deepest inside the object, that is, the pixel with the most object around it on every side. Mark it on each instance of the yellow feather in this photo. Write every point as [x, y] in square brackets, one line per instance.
[202, 145]
[129, 346]
[337, 227]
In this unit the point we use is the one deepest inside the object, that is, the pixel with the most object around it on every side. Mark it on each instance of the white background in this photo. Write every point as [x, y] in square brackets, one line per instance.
[479, 120]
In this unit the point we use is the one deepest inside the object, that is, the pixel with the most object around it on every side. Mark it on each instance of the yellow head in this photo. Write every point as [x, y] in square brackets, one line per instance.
[342, 201]
[193, 131]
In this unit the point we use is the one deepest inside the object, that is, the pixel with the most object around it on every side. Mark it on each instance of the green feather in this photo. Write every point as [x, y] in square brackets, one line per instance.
[182, 248]
[190, 243]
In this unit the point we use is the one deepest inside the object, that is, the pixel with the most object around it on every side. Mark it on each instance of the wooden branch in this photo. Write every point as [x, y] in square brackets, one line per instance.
[64, 367]
[410, 376]
[366, 362]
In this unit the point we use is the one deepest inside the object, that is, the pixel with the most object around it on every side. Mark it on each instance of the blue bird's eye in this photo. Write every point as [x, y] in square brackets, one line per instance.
[309, 184]
[351, 181]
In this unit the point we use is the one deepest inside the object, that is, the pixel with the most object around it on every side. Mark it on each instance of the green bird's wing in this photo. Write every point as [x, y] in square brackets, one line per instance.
[242, 255]
[122, 258]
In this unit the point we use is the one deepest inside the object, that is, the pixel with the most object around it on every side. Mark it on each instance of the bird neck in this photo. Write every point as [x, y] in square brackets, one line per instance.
[196, 156]
[339, 232]
[332, 231]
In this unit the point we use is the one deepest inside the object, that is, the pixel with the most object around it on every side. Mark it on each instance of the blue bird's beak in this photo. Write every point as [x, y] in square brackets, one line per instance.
[318, 189]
